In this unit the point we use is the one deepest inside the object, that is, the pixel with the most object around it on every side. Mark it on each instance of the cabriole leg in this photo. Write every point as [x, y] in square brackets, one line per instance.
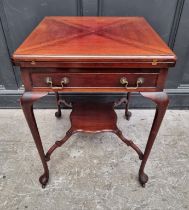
[27, 101]
[161, 100]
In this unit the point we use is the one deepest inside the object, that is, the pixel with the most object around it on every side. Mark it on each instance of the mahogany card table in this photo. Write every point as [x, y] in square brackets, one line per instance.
[94, 55]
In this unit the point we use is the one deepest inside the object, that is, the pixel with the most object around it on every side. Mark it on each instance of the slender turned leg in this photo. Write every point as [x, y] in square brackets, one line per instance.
[58, 144]
[161, 100]
[127, 112]
[58, 113]
[129, 143]
[27, 101]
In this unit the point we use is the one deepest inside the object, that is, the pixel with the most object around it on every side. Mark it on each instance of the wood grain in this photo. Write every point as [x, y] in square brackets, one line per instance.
[79, 39]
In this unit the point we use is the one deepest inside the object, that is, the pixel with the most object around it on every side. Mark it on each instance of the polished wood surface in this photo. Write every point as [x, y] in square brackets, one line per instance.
[76, 39]
[93, 79]
[94, 55]
[93, 117]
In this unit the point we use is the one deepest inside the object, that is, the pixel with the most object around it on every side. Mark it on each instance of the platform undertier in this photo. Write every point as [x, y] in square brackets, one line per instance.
[93, 117]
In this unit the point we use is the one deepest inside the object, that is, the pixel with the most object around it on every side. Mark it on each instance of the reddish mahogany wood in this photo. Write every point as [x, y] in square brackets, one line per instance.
[99, 39]
[127, 112]
[161, 100]
[96, 90]
[94, 79]
[87, 80]
[27, 101]
[94, 53]
[93, 117]
[96, 64]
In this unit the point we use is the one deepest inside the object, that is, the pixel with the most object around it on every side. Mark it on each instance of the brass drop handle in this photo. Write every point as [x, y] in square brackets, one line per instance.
[139, 82]
[124, 81]
[65, 81]
[48, 80]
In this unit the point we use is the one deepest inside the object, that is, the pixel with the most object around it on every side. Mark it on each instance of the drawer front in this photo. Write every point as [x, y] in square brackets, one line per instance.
[94, 79]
